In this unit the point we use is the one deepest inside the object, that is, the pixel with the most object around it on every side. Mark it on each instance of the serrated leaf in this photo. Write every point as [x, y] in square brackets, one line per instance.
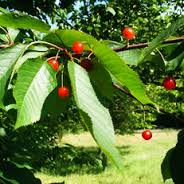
[111, 61]
[28, 55]
[96, 117]
[121, 72]
[36, 80]
[23, 21]
[161, 37]
[68, 37]
[9, 57]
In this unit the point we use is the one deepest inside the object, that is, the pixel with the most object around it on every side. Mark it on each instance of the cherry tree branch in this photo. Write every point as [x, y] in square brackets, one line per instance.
[143, 45]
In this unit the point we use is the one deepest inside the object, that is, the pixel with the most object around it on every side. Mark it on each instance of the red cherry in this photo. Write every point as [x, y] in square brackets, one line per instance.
[86, 64]
[78, 47]
[147, 134]
[63, 92]
[128, 33]
[169, 83]
[54, 63]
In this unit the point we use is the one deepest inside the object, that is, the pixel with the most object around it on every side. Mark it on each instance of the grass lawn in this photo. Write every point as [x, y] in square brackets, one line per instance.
[142, 160]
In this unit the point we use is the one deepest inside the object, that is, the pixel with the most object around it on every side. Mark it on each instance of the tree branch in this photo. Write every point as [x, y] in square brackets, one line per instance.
[120, 88]
[143, 45]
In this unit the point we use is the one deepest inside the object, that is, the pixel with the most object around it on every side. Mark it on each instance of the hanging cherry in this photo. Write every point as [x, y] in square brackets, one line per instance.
[147, 134]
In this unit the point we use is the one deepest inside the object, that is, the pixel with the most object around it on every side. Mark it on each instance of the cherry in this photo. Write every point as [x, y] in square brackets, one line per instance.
[78, 47]
[86, 64]
[63, 92]
[54, 63]
[128, 33]
[169, 83]
[147, 134]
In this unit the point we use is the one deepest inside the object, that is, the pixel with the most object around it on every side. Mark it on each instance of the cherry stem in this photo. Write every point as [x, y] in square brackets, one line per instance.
[78, 60]
[62, 75]
[90, 54]
[161, 55]
[53, 57]
[52, 45]
[57, 55]
[144, 117]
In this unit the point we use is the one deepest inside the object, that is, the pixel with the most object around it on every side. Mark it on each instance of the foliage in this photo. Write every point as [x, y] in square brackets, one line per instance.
[29, 83]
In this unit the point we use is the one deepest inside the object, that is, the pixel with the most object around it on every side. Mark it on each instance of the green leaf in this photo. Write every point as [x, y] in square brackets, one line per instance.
[161, 37]
[2, 10]
[174, 63]
[36, 80]
[101, 79]
[112, 44]
[54, 105]
[166, 165]
[121, 72]
[111, 61]
[130, 57]
[23, 21]
[13, 173]
[68, 37]
[13, 33]
[28, 55]
[9, 57]
[96, 117]
[111, 10]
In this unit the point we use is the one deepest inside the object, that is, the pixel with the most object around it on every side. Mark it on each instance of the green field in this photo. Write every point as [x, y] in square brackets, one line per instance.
[142, 160]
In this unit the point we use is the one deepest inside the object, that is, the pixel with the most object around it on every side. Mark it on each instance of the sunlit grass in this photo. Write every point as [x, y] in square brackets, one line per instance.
[142, 160]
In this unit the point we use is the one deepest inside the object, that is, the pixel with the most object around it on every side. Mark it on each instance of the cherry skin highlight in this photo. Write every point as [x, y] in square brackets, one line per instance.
[78, 47]
[147, 134]
[54, 63]
[169, 83]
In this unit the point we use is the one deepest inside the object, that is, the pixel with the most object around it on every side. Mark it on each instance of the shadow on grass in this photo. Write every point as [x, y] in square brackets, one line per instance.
[69, 159]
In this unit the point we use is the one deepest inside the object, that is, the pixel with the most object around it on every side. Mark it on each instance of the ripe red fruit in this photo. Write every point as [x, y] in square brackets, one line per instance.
[147, 134]
[54, 63]
[86, 64]
[63, 92]
[169, 83]
[78, 47]
[128, 33]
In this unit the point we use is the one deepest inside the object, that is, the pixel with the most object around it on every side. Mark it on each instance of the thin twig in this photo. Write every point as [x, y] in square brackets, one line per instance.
[143, 45]
[120, 88]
